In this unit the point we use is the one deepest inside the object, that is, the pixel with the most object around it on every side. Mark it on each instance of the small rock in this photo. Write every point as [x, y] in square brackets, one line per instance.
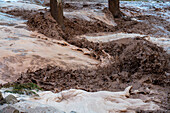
[10, 99]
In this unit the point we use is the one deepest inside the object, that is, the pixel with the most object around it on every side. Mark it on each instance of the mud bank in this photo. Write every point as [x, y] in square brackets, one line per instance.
[76, 26]
[124, 62]
[21, 50]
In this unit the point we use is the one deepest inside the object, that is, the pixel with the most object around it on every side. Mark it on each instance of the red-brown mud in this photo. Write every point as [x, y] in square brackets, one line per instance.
[148, 25]
[73, 27]
[135, 62]
[48, 22]
[129, 56]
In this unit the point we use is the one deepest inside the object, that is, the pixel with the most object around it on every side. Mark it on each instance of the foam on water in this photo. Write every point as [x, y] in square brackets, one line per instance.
[81, 101]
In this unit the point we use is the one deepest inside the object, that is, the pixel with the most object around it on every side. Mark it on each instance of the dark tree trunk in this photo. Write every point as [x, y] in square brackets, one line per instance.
[114, 8]
[56, 9]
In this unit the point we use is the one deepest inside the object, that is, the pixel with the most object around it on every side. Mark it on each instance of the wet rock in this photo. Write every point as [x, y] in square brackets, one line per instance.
[10, 99]
[9, 109]
[2, 101]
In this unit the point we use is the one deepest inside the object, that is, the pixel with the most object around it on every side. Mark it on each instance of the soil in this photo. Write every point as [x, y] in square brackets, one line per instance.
[135, 62]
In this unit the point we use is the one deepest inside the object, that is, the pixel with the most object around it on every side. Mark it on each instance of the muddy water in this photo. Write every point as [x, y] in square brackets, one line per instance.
[21, 49]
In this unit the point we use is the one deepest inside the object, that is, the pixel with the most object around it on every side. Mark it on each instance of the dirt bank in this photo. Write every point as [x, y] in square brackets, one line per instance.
[22, 49]
[125, 56]
[124, 62]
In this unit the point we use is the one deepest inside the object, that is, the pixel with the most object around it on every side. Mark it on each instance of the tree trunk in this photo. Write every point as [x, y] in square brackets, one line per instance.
[56, 9]
[114, 8]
